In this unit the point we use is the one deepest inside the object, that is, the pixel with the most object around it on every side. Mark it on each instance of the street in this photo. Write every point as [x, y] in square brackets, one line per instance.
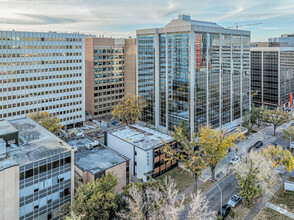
[229, 184]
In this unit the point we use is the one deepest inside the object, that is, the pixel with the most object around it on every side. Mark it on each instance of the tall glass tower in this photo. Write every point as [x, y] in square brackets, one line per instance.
[194, 71]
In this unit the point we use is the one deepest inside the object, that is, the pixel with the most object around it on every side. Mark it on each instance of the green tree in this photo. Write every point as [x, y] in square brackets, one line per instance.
[256, 176]
[129, 109]
[187, 152]
[256, 114]
[276, 117]
[215, 143]
[288, 134]
[246, 122]
[280, 157]
[47, 120]
[97, 200]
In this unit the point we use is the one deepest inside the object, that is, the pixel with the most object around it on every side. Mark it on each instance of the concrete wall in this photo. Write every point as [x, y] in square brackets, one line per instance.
[120, 172]
[130, 66]
[122, 147]
[89, 75]
[143, 165]
[9, 194]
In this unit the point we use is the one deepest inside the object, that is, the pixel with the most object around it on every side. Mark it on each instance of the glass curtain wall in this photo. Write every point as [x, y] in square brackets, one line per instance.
[162, 84]
[146, 77]
[200, 80]
[178, 79]
[286, 75]
[226, 79]
[256, 76]
[245, 74]
[236, 77]
[214, 80]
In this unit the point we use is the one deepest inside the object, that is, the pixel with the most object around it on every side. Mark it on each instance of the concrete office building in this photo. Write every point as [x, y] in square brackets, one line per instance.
[110, 73]
[194, 71]
[272, 75]
[94, 160]
[144, 147]
[42, 72]
[36, 171]
[285, 40]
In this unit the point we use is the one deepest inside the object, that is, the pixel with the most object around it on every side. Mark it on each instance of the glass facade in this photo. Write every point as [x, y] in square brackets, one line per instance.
[146, 77]
[44, 187]
[220, 64]
[286, 75]
[256, 76]
[178, 79]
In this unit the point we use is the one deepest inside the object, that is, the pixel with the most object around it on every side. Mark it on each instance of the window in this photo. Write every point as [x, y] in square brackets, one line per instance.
[29, 173]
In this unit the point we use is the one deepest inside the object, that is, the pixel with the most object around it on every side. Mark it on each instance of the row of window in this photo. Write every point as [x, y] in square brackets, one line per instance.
[44, 70]
[17, 55]
[44, 168]
[55, 91]
[109, 51]
[39, 47]
[108, 81]
[16, 38]
[108, 75]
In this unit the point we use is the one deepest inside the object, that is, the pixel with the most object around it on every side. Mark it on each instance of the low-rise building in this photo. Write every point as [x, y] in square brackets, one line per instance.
[144, 147]
[36, 171]
[94, 160]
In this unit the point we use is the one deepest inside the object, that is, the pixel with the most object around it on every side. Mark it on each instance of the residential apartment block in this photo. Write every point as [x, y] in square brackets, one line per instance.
[194, 71]
[42, 72]
[36, 170]
[144, 147]
[110, 73]
[94, 160]
[272, 74]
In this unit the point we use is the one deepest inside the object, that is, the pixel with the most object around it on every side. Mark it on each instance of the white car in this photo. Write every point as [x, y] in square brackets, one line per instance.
[234, 160]
[234, 200]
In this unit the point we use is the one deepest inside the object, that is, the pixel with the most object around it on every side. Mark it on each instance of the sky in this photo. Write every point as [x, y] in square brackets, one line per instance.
[121, 18]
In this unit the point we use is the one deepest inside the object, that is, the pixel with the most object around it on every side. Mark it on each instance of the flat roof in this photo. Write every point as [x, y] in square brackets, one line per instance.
[140, 136]
[97, 159]
[6, 127]
[35, 143]
[79, 142]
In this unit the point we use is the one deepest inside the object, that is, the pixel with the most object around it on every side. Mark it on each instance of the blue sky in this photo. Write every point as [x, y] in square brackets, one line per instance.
[121, 18]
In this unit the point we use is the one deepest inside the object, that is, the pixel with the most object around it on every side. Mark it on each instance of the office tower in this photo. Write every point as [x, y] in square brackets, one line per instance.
[110, 73]
[285, 40]
[272, 75]
[42, 72]
[36, 171]
[194, 71]
[144, 147]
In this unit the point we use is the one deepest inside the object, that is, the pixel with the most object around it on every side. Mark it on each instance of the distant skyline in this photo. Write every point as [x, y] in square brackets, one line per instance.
[121, 18]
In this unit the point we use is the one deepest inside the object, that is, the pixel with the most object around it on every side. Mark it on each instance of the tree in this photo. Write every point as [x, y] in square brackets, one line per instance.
[276, 117]
[246, 122]
[129, 109]
[187, 152]
[215, 143]
[47, 120]
[288, 134]
[96, 200]
[164, 202]
[279, 157]
[256, 176]
[256, 114]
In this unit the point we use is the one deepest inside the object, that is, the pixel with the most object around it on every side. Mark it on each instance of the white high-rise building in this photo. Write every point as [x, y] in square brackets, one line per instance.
[42, 72]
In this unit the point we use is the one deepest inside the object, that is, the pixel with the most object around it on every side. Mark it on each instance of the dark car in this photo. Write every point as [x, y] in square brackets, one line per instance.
[258, 144]
[226, 209]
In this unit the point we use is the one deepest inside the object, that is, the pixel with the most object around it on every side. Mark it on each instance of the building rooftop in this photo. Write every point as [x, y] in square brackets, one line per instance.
[80, 142]
[142, 137]
[35, 143]
[6, 127]
[97, 159]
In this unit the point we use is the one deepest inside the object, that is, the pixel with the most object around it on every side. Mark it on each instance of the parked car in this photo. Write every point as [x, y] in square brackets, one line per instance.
[235, 200]
[258, 144]
[115, 123]
[226, 209]
[250, 149]
[234, 160]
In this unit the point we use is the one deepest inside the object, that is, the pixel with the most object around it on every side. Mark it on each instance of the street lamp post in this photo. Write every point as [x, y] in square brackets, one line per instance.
[221, 195]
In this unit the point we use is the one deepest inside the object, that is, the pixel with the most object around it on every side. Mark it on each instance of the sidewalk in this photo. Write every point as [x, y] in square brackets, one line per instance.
[280, 210]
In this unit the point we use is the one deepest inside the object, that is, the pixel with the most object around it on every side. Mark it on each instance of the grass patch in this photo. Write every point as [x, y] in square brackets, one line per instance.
[240, 213]
[284, 199]
[267, 213]
[205, 186]
[182, 178]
